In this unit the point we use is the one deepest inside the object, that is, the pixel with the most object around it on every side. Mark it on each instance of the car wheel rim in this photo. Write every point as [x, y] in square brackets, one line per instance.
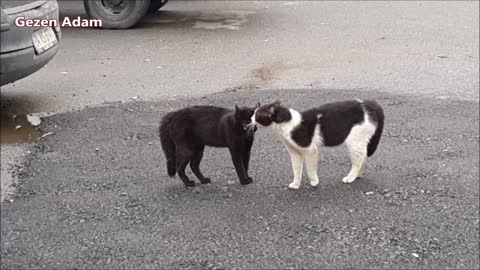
[116, 7]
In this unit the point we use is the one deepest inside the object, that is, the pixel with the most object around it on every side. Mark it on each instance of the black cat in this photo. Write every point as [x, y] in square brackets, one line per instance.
[185, 133]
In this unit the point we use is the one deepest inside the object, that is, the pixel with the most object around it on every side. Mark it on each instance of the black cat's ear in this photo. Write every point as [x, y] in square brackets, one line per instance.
[277, 102]
[237, 111]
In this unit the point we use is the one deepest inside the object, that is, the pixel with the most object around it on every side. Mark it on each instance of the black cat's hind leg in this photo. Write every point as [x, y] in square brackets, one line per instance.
[195, 164]
[183, 157]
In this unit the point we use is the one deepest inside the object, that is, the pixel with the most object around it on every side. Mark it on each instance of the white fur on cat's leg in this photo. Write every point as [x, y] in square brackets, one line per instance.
[297, 166]
[358, 156]
[294, 185]
[357, 142]
[311, 160]
[362, 169]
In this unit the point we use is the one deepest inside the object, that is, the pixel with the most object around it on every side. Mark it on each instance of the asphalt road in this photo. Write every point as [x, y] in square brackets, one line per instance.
[200, 47]
[76, 206]
[95, 194]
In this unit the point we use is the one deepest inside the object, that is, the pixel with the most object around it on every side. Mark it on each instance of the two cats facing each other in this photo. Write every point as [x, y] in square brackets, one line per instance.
[356, 123]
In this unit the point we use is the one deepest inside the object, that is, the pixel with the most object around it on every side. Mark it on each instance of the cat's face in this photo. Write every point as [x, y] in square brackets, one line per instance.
[244, 117]
[265, 115]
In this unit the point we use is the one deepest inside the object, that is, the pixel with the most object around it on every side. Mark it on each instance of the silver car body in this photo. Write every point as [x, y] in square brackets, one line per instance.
[18, 57]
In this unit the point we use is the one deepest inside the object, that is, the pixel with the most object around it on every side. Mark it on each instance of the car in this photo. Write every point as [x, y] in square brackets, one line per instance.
[121, 14]
[26, 48]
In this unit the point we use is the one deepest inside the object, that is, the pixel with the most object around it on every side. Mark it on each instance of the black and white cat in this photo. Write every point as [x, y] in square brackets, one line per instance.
[357, 124]
[185, 133]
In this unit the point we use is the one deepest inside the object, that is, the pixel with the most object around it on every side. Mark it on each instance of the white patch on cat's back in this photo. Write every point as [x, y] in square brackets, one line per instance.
[361, 134]
[285, 130]
[317, 139]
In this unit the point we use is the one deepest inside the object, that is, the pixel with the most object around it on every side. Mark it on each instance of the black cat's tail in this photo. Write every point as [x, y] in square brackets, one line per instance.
[168, 146]
[375, 112]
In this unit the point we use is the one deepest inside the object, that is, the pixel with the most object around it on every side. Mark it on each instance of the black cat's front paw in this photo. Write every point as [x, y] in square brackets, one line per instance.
[206, 181]
[246, 181]
[189, 184]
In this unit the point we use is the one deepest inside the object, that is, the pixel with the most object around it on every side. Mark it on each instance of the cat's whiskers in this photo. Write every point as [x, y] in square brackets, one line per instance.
[250, 128]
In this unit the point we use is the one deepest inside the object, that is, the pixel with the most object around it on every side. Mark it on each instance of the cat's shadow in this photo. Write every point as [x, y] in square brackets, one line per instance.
[333, 189]
[362, 184]
[329, 192]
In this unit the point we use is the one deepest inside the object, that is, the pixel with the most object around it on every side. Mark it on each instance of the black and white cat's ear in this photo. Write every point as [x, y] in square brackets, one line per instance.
[273, 107]
[257, 105]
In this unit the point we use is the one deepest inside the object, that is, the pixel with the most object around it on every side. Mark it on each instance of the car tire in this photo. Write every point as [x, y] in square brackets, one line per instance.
[117, 14]
[156, 5]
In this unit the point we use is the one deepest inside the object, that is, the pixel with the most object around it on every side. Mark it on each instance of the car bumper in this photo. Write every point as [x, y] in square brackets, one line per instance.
[18, 58]
[20, 64]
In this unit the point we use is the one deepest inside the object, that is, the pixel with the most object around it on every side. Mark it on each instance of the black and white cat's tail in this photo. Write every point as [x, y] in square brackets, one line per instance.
[375, 112]
[168, 147]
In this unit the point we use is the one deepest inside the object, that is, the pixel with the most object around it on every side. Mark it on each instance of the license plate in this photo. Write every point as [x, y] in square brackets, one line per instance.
[44, 39]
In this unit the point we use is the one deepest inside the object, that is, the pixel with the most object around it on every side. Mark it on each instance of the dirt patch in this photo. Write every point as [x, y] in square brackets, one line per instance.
[230, 20]
[269, 71]
[17, 129]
